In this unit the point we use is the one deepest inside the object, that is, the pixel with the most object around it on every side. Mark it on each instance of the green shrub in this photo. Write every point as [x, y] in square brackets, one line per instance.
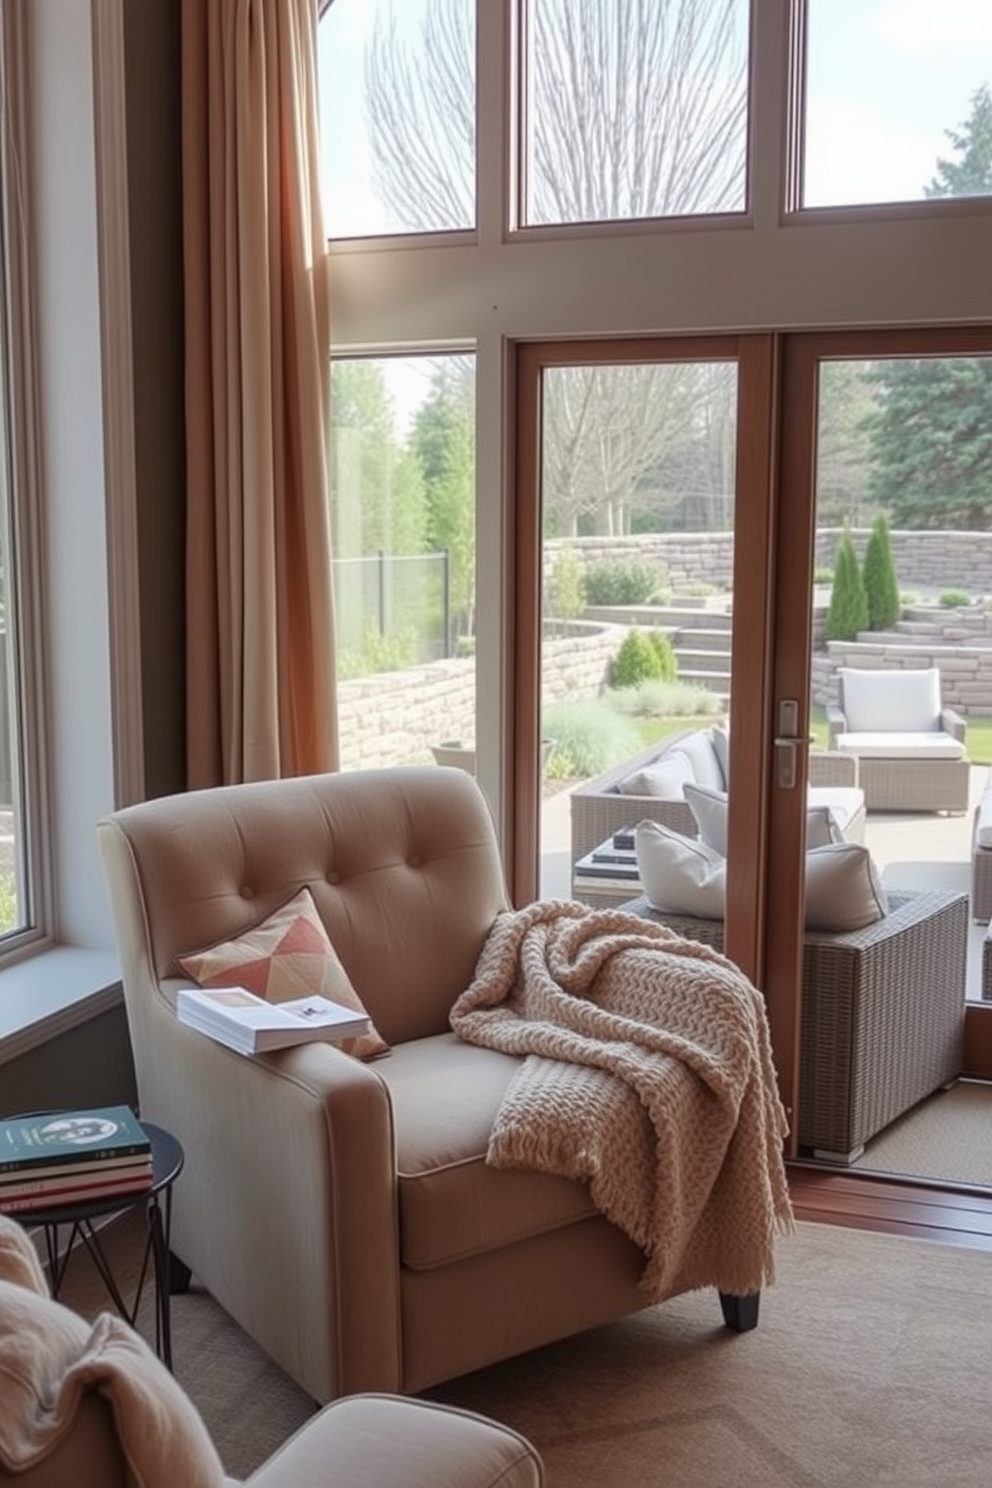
[636, 661]
[657, 699]
[668, 662]
[379, 653]
[589, 738]
[10, 914]
[878, 574]
[623, 581]
[823, 576]
[566, 595]
[953, 599]
[848, 612]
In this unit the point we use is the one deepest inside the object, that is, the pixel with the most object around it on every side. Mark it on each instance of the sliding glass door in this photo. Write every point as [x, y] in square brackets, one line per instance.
[729, 480]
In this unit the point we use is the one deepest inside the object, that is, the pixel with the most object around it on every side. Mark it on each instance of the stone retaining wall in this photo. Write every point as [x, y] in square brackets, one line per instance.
[393, 718]
[929, 561]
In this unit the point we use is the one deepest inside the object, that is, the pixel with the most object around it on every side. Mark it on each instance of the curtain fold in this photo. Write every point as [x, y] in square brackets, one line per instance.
[260, 644]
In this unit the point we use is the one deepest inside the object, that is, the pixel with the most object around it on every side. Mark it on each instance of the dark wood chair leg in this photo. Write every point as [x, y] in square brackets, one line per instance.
[179, 1275]
[740, 1313]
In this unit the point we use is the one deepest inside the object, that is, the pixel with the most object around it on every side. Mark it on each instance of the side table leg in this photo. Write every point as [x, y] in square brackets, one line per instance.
[160, 1257]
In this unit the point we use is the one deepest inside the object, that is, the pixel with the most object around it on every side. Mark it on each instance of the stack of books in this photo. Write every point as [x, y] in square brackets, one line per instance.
[69, 1157]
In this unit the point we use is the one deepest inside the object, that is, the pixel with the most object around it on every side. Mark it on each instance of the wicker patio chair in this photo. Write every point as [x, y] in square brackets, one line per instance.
[882, 1015]
[921, 765]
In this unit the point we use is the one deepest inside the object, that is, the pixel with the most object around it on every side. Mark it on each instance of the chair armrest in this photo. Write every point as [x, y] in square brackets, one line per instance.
[952, 723]
[295, 1150]
[832, 767]
[836, 725]
[381, 1441]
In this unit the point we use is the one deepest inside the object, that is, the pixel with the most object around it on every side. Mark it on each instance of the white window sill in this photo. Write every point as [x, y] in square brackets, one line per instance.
[52, 992]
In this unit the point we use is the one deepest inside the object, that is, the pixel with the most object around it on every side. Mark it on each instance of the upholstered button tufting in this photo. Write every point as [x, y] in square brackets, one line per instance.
[333, 878]
[246, 892]
[414, 862]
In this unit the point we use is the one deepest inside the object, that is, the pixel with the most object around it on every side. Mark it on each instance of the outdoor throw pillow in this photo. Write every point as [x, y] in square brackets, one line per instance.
[843, 888]
[709, 807]
[288, 955]
[680, 874]
[664, 779]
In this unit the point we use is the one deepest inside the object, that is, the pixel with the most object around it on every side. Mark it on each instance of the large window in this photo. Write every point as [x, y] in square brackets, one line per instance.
[20, 669]
[898, 106]
[402, 504]
[397, 98]
[633, 110]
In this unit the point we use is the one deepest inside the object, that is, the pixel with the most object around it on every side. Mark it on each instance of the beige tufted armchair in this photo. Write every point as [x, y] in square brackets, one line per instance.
[343, 1212]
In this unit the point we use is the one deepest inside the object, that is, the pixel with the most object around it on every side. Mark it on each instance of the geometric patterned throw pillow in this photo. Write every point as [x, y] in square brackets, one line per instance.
[288, 955]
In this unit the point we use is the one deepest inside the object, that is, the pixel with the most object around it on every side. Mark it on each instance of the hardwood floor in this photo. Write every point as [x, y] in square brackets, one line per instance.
[953, 1216]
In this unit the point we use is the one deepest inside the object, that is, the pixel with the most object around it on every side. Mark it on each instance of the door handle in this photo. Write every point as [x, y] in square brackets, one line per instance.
[785, 762]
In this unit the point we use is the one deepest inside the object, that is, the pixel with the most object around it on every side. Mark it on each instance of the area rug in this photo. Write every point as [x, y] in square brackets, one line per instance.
[947, 1137]
[869, 1367]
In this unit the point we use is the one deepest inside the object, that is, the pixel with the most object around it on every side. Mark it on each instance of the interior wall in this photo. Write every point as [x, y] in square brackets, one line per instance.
[89, 1065]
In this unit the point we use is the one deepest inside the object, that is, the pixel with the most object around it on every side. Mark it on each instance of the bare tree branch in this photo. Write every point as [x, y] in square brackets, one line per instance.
[639, 110]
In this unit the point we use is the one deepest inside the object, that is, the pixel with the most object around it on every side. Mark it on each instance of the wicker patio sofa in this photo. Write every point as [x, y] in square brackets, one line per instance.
[981, 856]
[600, 807]
[910, 749]
[882, 1015]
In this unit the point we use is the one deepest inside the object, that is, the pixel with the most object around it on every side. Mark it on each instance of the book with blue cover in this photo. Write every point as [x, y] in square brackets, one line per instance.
[53, 1138]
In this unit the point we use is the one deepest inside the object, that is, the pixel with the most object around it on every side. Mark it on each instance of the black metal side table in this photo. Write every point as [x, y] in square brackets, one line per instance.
[167, 1163]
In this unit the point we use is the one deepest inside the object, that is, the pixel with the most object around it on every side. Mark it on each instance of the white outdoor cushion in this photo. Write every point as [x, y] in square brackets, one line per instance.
[720, 735]
[843, 888]
[983, 826]
[709, 807]
[845, 802]
[882, 701]
[928, 745]
[664, 779]
[705, 764]
[680, 875]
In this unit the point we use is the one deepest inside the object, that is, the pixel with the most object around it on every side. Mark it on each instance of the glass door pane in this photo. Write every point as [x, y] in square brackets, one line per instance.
[637, 475]
[901, 718]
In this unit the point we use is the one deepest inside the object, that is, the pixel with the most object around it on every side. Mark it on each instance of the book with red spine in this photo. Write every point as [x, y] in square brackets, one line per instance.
[57, 1198]
[17, 1185]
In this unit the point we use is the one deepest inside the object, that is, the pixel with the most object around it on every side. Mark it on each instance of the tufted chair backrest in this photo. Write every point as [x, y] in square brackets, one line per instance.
[402, 864]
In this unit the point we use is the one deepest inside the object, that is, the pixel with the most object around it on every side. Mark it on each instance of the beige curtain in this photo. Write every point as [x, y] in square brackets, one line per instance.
[260, 652]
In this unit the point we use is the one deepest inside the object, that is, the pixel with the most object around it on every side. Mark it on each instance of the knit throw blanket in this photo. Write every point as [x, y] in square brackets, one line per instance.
[647, 1074]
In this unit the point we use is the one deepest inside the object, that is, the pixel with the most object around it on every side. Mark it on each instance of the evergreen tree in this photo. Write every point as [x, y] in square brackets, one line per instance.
[971, 174]
[931, 435]
[383, 509]
[931, 440]
[848, 612]
[443, 441]
[878, 574]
